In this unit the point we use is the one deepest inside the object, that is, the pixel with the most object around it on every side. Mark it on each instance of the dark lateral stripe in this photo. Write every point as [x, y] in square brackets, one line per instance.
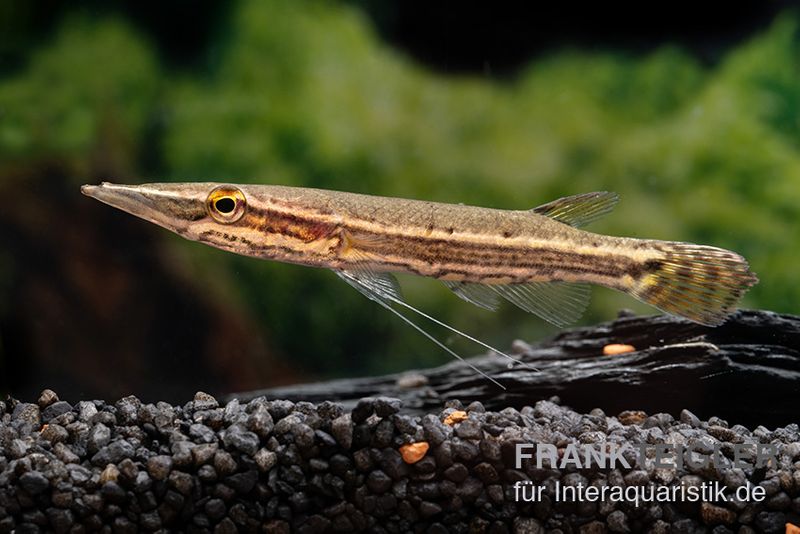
[428, 245]
[302, 228]
[432, 250]
[487, 258]
[520, 271]
[404, 251]
[264, 249]
[391, 235]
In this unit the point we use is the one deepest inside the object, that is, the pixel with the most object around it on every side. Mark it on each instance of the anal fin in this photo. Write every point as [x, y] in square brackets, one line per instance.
[560, 303]
[480, 295]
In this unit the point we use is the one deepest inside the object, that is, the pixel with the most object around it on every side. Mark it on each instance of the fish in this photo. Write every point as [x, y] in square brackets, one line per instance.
[540, 260]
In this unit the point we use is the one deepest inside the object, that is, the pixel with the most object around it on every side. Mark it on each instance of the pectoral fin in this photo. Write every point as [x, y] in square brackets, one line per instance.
[380, 287]
[375, 290]
[383, 288]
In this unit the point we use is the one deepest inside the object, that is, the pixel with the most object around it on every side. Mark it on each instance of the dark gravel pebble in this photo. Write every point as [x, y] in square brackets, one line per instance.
[280, 466]
[342, 430]
[113, 453]
[204, 401]
[54, 433]
[54, 410]
[98, 437]
[435, 431]
[364, 408]
[224, 464]
[469, 429]
[386, 406]
[159, 467]
[34, 482]
[215, 509]
[25, 412]
[260, 421]
[128, 410]
[46, 398]
[242, 440]
[379, 482]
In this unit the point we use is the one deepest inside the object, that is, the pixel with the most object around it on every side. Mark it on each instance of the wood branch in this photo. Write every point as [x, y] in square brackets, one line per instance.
[746, 371]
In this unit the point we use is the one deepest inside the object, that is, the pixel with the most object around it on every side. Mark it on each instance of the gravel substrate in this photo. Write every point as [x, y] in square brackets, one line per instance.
[278, 466]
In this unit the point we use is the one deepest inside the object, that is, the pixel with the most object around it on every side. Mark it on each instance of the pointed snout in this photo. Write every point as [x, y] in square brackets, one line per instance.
[119, 196]
[89, 190]
[172, 206]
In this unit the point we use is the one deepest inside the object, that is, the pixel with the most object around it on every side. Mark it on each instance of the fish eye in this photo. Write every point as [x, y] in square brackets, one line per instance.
[226, 204]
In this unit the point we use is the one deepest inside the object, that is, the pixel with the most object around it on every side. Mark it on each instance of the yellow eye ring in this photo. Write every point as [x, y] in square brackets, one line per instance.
[226, 204]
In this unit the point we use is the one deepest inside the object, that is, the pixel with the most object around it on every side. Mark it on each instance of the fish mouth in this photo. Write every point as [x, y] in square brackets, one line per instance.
[128, 198]
[106, 192]
[155, 205]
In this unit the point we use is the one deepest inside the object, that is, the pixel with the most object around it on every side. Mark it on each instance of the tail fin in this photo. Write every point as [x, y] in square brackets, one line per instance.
[703, 284]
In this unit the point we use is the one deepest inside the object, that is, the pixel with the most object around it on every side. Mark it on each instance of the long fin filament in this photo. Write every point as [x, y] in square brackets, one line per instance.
[464, 335]
[438, 343]
[382, 288]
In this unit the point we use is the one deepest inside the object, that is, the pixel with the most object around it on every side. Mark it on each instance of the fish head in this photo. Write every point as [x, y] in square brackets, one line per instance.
[191, 210]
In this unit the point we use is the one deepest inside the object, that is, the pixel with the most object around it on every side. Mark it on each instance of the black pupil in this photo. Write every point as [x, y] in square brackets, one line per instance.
[225, 205]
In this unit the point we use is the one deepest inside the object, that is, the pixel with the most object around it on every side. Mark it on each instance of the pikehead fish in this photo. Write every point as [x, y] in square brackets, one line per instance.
[540, 260]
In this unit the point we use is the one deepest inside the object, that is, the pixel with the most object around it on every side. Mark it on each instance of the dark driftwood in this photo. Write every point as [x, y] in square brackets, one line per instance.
[746, 371]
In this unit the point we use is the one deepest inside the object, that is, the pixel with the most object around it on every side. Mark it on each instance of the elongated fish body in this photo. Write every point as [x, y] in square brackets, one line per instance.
[532, 258]
[444, 241]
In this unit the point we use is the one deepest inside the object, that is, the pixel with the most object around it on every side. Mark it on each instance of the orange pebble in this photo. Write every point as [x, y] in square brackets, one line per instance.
[792, 528]
[414, 452]
[455, 417]
[617, 348]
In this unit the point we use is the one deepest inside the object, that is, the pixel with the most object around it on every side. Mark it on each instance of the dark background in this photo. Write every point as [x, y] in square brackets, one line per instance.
[450, 37]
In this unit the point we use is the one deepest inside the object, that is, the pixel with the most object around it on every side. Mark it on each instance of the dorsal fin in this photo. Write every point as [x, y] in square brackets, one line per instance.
[579, 210]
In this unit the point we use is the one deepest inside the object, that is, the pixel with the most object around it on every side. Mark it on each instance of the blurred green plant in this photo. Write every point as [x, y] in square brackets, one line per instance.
[304, 93]
[88, 94]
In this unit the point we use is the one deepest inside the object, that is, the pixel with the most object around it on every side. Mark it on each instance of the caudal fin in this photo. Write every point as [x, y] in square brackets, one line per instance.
[701, 283]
